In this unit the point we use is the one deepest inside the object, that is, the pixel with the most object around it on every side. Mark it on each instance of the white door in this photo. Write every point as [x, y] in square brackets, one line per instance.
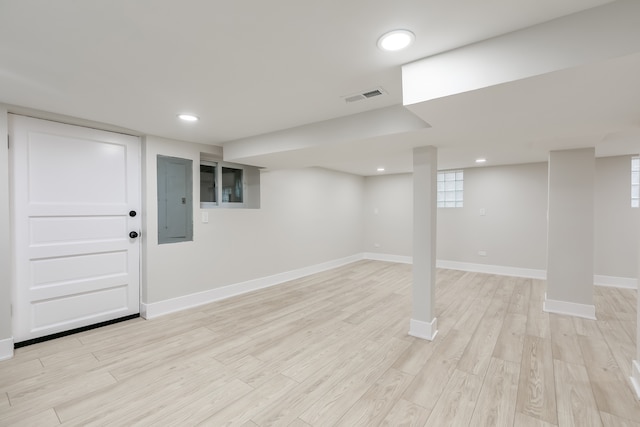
[76, 198]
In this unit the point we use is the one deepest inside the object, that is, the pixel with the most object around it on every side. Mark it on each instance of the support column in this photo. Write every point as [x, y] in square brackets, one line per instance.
[6, 336]
[570, 246]
[425, 168]
[635, 364]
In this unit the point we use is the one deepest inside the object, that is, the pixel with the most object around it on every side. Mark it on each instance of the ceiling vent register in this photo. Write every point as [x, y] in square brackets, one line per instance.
[364, 95]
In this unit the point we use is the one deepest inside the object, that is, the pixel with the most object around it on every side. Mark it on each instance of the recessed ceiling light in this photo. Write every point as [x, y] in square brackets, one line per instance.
[481, 160]
[380, 169]
[188, 117]
[396, 40]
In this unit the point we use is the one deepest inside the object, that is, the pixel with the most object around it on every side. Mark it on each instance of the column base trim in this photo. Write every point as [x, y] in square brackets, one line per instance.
[423, 330]
[569, 308]
[635, 377]
[6, 349]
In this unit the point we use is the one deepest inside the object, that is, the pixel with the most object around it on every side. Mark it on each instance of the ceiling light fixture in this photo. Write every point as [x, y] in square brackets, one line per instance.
[380, 169]
[481, 160]
[188, 117]
[396, 40]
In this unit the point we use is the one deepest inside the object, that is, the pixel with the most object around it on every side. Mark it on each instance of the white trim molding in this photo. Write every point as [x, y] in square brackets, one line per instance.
[151, 310]
[635, 377]
[424, 330]
[160, 308]
[6, 349]
[615, 282]
[585, 311]
[500, 270]
[464, 266]
[400, 259]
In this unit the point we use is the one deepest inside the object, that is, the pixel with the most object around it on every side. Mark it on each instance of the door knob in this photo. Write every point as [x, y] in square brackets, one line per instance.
[133, 234]
[132, 213]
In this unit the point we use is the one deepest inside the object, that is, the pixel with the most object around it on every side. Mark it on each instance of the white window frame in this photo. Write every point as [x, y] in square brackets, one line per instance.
[218, 179]
[219, 187]
[450, 189]
[210, 205]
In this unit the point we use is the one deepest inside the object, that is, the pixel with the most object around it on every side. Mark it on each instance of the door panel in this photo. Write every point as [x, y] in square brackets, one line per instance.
[51, 230]
[73, 188]
[100, 165]
[67, 269]
[50, 313]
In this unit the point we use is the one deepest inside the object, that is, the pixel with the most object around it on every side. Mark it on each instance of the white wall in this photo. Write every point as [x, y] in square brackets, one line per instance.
[307, 217]
[388, 214]
[513, 231]
[5, 227]
[616, 222]
[570, 229]
[514, 200]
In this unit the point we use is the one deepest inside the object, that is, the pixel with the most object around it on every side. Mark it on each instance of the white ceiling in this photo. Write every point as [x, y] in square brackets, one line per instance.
[253, 67]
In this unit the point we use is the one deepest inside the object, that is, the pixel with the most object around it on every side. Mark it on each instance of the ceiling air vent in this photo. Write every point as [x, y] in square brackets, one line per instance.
[372, 93]
[364, 95]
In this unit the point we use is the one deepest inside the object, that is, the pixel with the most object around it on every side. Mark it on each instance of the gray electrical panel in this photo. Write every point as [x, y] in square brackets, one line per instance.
[175, 200]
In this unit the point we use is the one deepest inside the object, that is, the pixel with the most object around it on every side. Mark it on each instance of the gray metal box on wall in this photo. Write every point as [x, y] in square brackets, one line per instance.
[175, 200]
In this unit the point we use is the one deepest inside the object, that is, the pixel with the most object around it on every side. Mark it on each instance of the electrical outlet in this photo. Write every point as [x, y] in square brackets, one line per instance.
[482, 253]
[376, 245]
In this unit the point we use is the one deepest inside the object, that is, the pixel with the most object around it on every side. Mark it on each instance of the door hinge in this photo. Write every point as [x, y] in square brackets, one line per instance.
[8, 142]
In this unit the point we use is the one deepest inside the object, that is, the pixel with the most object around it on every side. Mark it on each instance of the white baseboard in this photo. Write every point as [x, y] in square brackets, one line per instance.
[156, 309]
[464, 266]
[500, 270]
[424, 330]
[6, 349]
[635, 377]
[615, 282]
[400, 259]
[530, 273]
[585, 311]
[151, 310]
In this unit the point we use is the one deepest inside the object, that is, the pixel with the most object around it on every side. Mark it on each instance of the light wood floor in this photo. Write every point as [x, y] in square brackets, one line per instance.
[333, 349]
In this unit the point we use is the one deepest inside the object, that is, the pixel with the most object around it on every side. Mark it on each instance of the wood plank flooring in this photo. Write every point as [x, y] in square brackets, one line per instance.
[332, 349]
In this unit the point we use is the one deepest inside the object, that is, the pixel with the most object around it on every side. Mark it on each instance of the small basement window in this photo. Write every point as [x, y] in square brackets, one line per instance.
[232, 185]
[228, 185]
[208, 190]
[450, 189]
